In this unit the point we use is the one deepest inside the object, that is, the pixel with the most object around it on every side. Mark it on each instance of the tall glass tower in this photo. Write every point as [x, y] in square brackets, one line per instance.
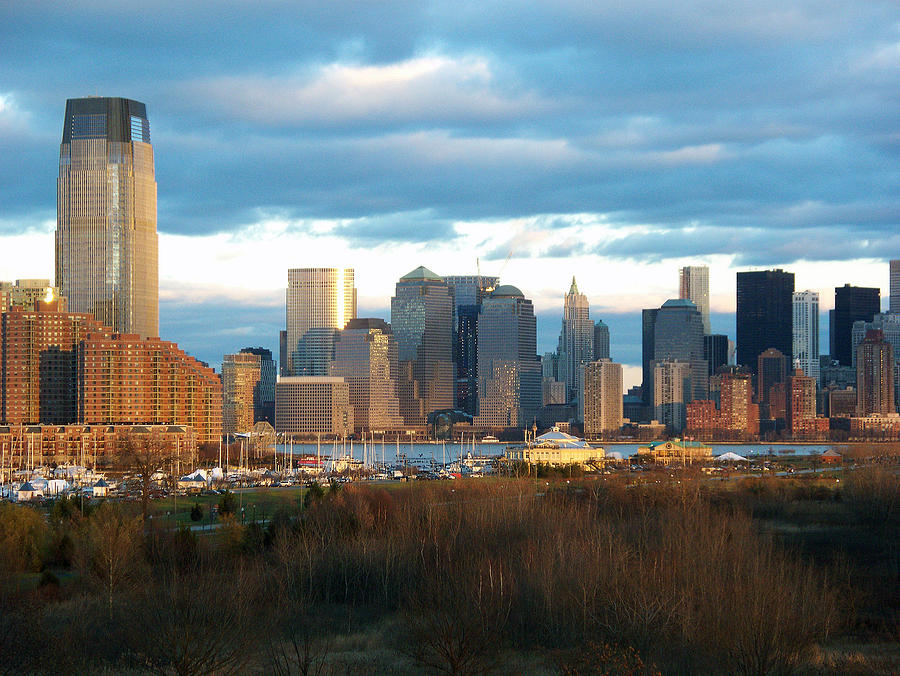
[107, 253]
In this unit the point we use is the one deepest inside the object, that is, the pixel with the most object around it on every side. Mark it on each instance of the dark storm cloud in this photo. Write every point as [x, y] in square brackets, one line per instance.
[746, 123]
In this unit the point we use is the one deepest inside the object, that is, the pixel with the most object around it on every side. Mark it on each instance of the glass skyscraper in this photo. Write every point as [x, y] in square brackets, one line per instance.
[318, 303]
[106, 242]
[764, 316]
[693, 284]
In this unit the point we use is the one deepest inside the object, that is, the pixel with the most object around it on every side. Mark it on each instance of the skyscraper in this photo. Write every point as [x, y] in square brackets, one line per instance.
[764, 314]
[671, 388]
[509, 372]
[422, 323]
[874, 375]
[851, 304]
[693, 284]
[318, 299]
[264, 392]
[806, 332]
[601, 340]
[678, 335]
[106, 242]
[240, 379]
[894, 306]
[576, 340]
[801, 402]
[603, 391]
[715, 351]
[468, 292]
[365, 356]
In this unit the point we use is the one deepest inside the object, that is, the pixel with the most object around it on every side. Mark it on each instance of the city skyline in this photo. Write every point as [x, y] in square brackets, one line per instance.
[473, 138]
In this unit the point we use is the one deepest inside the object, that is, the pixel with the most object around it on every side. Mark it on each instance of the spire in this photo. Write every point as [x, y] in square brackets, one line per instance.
[574, 288]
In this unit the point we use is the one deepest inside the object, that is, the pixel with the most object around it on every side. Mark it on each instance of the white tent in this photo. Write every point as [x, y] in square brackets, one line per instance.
[731, 457]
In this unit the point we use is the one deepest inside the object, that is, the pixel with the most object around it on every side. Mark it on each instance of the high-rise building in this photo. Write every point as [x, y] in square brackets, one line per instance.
[772, 369]
[106, 242]
[25, 293]
[738, 413]
[764, 314]
[603, 390]
[65, 367]
[422, 323]
[264, 392]
[648, 329]
[321, 300]
[365, 356]
[576, 340]
[801, 402]
[851, 304]
[715, 351]
[671, 391]
[894, 306]
[509, 372]
[313, 405]
[874, 375]
[601, 340]
[693, 284]
[806, 332]
[468, 291]
[678, 335]
[240, 378]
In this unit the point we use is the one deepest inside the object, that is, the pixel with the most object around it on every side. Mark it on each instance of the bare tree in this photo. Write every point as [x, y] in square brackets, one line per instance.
[145, 454]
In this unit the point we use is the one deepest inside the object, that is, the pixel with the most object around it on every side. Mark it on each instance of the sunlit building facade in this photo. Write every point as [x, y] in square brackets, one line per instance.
[365, 356]
[603, 389]
[806, 332]
[693, 285]
[318, 302]
[313, 405]
[422, 324]
[874, 375]
[25, 293]
[106, 241]
[240, 378]
[576, 341]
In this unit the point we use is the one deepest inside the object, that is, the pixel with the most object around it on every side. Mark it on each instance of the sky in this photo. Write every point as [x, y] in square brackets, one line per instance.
[614, 142]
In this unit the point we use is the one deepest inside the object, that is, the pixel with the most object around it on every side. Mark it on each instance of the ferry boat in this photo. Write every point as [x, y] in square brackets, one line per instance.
[490, 439]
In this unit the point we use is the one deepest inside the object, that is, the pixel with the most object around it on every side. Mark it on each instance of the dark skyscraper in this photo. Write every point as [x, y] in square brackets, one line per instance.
[851, 304]
[678, 336]
[715, 351]
[648, 321]
[764, 314]
[468, 292]
[106, 243]
[601, 340]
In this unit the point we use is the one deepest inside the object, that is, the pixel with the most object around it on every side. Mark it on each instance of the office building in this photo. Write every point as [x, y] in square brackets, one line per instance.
[806, 332]
[308, 406]
[801, 402]
[365, 356]
[106, 242]
[715, 352]
[678, 335]
[894, 306]
[693, 285]
[851, 304]
[764, 315]
[875, 375]
[576, 341]
[509, 372]
[241, 374]
[25, 293]
[648, 331]
[319, 302]
[601, 340]
[671, 393]
[468, 291]
[772, 369]
[603, 390]
[422, 324]
[264, 392]
[738, 414]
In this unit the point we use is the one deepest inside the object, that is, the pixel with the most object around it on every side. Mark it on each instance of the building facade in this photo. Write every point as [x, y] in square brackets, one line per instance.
[318, 302]
[26, 293]
[894, 306]
[601, 340]
[764, 314]
[671, 393]
[715, 352]
[603, 390]
[264, 393]
[106, 241]
[801, 403]
[509, 372]
[851, 304]
[693, 285]
[806, 332]
[678, 335]
[241, 374]
[874, 375]
[576, 341]
[422, 324]
[313, 405]
[365, 356]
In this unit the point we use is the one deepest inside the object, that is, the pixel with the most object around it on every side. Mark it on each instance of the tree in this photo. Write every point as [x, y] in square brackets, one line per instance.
[146, 454]
[196, 512]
